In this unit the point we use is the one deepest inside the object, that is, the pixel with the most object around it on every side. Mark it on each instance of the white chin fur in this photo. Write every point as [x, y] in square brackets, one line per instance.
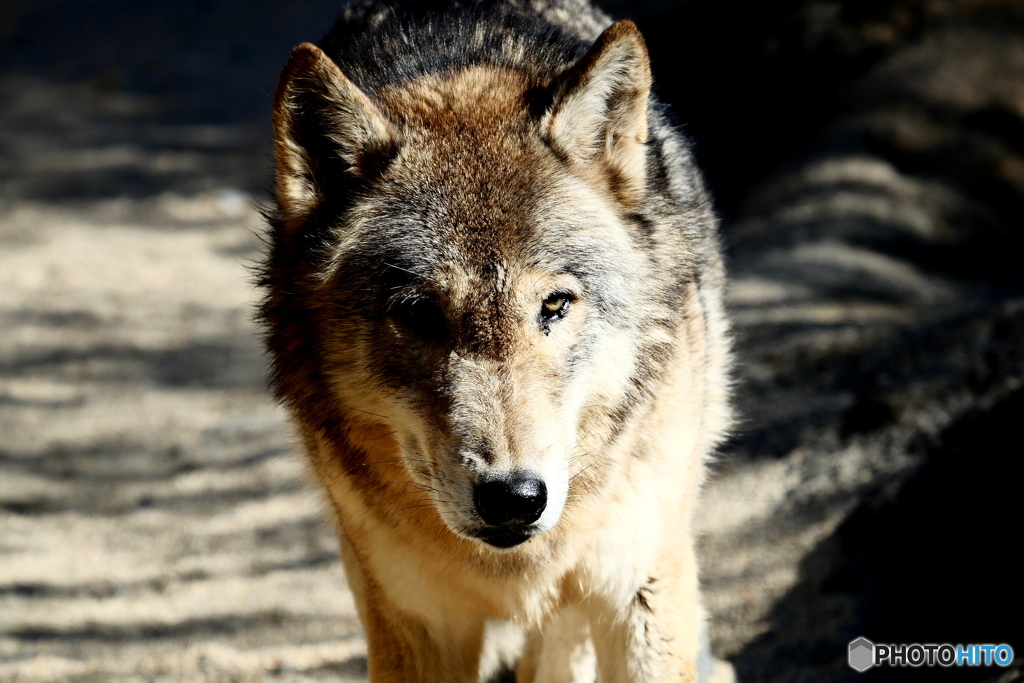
[557, 483]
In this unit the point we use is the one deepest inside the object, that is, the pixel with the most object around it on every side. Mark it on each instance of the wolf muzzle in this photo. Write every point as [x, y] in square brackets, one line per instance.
[509, 505]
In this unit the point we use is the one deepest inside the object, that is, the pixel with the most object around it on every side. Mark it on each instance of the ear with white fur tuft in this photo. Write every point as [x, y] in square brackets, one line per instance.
[599, 114]
[325, 128]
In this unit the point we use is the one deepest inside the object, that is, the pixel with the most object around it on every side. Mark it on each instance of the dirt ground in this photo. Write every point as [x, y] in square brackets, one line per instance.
[155, 520]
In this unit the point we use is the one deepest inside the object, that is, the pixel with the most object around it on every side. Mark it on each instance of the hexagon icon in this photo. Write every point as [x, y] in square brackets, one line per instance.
[862, 654]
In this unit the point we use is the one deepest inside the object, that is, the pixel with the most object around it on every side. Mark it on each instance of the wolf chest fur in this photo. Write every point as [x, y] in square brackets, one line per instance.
[493, 302]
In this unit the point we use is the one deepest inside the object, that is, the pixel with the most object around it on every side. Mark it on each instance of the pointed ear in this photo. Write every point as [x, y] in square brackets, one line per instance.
[599, 113]
[324, 128]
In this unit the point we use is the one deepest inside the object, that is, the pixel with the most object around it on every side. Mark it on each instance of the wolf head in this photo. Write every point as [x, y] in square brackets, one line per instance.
[457, 302]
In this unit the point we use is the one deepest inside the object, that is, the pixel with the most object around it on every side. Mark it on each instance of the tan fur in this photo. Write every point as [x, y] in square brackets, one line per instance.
[613, 582]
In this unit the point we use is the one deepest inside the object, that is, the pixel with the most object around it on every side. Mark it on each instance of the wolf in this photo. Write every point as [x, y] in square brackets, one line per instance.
[493, 302]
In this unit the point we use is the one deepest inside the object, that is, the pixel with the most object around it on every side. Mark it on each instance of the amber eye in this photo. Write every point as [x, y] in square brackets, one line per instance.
[554, 307]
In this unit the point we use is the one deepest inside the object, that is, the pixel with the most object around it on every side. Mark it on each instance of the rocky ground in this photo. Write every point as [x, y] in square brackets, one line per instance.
[868, 158]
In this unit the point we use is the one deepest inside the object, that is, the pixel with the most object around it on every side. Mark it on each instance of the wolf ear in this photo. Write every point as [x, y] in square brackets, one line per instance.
[599, 113]
[323, 126]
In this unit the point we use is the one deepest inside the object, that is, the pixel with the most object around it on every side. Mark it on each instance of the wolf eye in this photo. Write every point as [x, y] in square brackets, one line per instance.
[555, 305]
[422, 317]
[553, 308]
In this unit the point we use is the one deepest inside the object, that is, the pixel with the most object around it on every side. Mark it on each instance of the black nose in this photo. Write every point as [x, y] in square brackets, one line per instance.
[517, 499]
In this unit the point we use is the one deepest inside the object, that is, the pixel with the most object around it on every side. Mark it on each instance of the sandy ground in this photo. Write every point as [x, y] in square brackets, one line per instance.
[155, 521]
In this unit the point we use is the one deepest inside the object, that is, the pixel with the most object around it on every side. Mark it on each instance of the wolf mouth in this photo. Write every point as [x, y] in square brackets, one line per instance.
[505, 538]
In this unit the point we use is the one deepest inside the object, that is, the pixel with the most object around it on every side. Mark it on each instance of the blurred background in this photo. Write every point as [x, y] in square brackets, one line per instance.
[867, 158]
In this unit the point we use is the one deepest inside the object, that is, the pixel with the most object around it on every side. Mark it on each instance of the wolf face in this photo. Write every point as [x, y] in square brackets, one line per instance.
[462, 291]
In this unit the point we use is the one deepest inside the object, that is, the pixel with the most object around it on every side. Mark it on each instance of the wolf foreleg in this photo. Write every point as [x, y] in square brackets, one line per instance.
[560, 652]
[402, 648]
[655, 638]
